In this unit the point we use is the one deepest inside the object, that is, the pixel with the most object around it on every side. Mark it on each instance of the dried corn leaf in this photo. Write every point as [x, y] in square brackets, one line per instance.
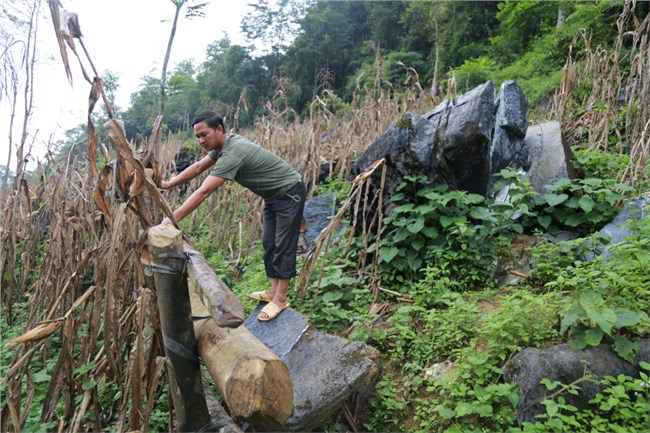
[99, 193]
[55, 9]
[43, 330]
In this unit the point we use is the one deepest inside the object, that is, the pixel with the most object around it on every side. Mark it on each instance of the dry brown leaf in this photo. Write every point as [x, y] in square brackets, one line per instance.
[42, 330]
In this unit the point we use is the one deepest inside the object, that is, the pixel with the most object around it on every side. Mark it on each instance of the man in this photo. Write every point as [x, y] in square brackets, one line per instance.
[234, 158]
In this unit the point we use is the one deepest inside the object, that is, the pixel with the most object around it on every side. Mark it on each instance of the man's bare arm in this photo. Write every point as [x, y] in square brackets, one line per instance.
[209, 185]
[190, 172]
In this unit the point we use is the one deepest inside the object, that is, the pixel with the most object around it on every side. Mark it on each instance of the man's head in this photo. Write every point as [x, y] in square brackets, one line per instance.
[211, 118]
[209, 130]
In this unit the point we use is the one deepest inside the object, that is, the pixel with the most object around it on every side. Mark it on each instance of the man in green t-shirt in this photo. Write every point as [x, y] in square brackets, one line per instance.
[234, 158]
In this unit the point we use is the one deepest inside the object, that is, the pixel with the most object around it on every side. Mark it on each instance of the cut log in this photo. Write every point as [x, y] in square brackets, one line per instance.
[253, 381]
[168, 262]
[224, 307]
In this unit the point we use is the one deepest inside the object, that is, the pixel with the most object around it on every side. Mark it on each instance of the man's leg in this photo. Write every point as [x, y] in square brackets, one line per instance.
[280, 257]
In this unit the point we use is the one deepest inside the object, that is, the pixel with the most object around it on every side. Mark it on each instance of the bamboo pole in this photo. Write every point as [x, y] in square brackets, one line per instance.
[168, 263]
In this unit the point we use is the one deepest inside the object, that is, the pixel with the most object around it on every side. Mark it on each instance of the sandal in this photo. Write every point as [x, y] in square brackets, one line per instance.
[259, 296]
[272, 311]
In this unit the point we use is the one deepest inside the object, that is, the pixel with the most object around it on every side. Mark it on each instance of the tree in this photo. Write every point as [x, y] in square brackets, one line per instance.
[183, 97]
[385, 24]
[139, 117]
[520, 23]
[274, 23]
[192, 12]
[328, 48]
[18, 56]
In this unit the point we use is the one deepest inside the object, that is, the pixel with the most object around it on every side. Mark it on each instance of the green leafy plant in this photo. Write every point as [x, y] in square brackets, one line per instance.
[435, 225]
[582, 205]
[594, 319]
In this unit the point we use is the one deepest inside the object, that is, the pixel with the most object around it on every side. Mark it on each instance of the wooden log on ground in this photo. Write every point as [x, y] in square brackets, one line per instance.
[253, 381]
[168, 263]
[224, 307]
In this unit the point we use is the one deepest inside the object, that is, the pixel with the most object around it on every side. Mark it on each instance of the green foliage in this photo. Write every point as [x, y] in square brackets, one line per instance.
[473, 72]
[520, 23]
[580, 205]
[454, 229]
[521, 319]
[597, 163]
[40, 371]
[388, 407]
[611, 303]
[532, 50]
[589, 322]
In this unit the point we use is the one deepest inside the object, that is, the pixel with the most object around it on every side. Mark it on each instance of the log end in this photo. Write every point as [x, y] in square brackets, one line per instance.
[165, 236]
[264, 393]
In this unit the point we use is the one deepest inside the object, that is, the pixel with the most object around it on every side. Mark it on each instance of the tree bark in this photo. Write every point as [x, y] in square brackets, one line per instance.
[224, 307]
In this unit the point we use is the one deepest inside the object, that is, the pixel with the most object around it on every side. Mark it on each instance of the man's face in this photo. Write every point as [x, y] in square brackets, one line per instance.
[209, 139]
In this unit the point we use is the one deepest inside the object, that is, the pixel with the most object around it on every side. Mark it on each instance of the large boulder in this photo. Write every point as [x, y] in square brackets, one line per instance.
[566, 365]
[326, 371]
[464, 132]
[407, 145]
[465, 142]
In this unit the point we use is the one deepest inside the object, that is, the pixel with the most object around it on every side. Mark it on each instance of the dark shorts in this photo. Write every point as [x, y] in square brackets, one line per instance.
[282, 219]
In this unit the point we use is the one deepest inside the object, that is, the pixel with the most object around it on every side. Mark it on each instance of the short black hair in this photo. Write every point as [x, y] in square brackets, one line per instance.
[210, 117]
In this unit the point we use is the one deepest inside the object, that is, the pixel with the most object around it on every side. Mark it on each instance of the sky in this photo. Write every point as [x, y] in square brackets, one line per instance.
[127, 37]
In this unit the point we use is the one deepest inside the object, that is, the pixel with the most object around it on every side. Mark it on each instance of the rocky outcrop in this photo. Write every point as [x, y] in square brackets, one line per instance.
[464, 144]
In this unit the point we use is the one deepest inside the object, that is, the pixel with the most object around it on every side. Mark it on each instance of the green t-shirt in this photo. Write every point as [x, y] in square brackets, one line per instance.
[253, 167]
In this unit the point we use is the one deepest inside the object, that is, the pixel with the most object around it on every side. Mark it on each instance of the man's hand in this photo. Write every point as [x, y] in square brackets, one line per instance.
[165, 184]
[167, 221]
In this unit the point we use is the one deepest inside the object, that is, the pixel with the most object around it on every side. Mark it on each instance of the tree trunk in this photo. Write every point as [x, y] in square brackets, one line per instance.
[226, 310]
[253, 381]
[434, 81]
[561, 16]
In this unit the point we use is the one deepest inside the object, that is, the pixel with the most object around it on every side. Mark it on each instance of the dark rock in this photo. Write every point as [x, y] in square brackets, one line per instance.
[464, 132]
[183, 159]
[280, 334]
[326, 371]
[507, 147]
[449, 145]
[566, 365]
[407, 145]
[326, 170]
[318, 213]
